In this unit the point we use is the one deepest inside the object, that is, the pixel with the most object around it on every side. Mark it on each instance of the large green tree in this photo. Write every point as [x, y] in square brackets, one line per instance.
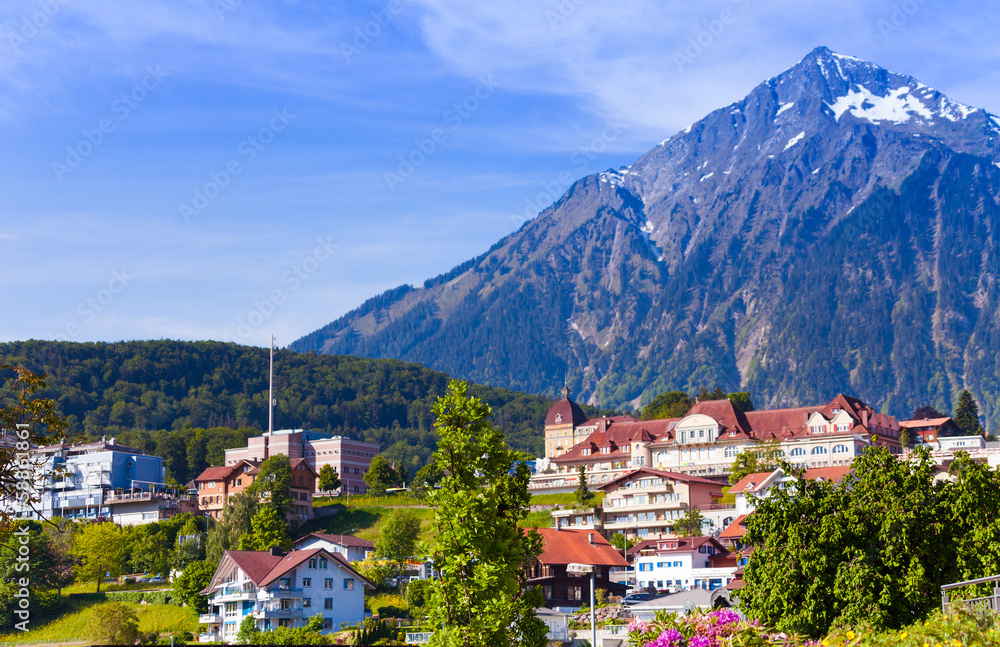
[274, 484]
[380, 476]
[102, 550]
[966, 414]
[236, 521]
[874, 549]
[188, 585]
[397, 538]
[483, 598]
[670, 404]
[690, 525]
[268, 530]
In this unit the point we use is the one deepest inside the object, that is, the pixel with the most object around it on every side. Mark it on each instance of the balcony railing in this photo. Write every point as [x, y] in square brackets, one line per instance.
[987, 604]
[210, 618]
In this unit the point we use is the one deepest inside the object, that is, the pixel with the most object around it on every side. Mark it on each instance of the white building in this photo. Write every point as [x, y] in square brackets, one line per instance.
[279, 589]
[759, 484]
[353, 548]
[684, 563]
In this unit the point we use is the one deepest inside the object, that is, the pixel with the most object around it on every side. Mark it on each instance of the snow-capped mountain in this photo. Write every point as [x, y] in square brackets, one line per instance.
[835, 230]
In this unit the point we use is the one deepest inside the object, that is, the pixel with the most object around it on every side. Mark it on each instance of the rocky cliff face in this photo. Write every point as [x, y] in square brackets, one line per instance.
[836, 230]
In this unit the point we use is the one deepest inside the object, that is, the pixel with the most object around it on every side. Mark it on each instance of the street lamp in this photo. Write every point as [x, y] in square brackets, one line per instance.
[580, 570]
[342, 546]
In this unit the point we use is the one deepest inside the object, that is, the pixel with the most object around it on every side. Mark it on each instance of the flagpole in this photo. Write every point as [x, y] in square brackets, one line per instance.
[270, 392]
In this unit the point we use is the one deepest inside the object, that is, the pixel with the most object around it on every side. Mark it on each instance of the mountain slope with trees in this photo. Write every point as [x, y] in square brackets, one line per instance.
[834, 231]
[188, 401]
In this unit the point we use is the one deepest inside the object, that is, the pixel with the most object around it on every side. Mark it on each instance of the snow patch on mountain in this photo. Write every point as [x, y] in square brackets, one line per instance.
[784, 107]
[795, 140]
[897, 107]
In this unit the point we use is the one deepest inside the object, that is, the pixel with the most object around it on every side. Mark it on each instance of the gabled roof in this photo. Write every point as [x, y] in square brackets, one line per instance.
[618, 436]
[686, 544]
[725, 413]
[565, 546]
[265, 567]
[348, 541]
[749, 482]
[223, 472]
[642, 545]
[737, 529]
[296, 462]
[674, 476]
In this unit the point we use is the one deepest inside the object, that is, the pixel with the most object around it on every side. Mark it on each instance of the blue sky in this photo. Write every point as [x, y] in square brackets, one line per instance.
[224, 169]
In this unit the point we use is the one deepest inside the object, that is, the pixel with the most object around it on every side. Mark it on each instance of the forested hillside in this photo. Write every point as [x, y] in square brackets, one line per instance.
[188, 401]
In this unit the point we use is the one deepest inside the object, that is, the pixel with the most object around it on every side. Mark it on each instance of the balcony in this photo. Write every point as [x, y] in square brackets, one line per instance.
[232, 594]
[284, 593]
[210, 619]
[276, 611]
[209, 638]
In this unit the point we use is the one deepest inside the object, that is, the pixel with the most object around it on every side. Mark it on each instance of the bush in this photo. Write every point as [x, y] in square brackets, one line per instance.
[138, 597]
[390, 611]
[113, 623]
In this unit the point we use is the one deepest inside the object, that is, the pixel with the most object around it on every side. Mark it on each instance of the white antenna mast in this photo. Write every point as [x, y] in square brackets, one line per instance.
[270, 392]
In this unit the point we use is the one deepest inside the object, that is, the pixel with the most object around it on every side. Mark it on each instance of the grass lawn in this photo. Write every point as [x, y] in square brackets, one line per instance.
[562, 499]
[91, 587]
[364, 501]
[540, 519]
[71, 624]
[363, 521]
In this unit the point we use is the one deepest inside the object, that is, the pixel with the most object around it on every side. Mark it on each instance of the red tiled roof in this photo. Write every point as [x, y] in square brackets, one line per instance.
[617, 435]
[756, 478]
[573, 547]
[686, 544]
[737, 529]
[675, 476]
[728, 416]
[217, 473]
[642, 545]
[926, 422]
[255, 563]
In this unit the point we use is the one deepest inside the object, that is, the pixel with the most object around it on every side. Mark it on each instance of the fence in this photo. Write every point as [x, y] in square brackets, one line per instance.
[987, 604]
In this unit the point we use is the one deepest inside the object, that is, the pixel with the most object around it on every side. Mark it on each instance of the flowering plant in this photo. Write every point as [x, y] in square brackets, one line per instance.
[719, 628]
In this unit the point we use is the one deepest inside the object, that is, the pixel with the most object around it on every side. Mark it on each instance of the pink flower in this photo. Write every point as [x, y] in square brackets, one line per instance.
[669, 638]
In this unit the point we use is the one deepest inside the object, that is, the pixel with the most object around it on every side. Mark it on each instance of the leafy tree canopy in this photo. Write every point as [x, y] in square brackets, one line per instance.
[380, 476]
[274, 484]
[766, 457]
[483, 597]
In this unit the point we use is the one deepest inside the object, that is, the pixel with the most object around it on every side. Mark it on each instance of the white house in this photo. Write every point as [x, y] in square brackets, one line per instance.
[759, 484]
[353, 548]
[279, 589]
[683, 563]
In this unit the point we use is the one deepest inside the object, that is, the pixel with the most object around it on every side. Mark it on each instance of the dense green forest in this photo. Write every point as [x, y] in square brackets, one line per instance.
[188, 401]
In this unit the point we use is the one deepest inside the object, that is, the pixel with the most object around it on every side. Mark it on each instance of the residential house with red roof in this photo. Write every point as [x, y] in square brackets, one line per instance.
[759, 484]
[645, 503]
[279, 589]
[929, 430]
[216, 484]
[564, 547]
[680, 563]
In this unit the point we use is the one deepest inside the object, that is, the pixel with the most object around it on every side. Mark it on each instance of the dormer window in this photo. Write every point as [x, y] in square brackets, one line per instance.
[586, 451]
[836, 410]
[605, 450]
[558, 417]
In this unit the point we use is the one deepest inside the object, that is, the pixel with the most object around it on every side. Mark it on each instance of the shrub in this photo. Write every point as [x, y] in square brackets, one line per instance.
[113, 623]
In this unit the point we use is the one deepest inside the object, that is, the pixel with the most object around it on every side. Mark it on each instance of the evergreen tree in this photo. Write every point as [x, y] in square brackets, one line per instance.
[483, 598]
[584, 497]
[966, 414]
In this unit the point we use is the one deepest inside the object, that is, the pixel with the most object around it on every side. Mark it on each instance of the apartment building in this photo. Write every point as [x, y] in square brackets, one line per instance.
[99, 479]
[216, 484]
[682, 563]
[279, 589]
[645, 503]
[349, 458]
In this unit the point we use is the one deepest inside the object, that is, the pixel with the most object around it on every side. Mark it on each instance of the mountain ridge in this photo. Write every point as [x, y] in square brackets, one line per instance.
[669, 272]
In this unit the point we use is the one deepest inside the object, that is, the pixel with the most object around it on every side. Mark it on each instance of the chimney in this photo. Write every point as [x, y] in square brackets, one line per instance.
[277, 552]
[864, 417]
[590, 537]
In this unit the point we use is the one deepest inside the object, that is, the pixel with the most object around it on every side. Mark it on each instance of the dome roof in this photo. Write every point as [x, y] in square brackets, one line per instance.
[565, 411]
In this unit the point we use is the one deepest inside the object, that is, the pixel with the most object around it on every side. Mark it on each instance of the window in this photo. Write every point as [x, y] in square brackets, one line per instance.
[732, 451]
[843, 427]
[312, 563]
[306, 582]
[322, 564]
[328, 603]
[328, 583]
[840, 449]
[327, 623]
[348, 583]
[798, 451]
[816, 429]
[819, 450]
[605, 450]
[231, 610]
[306, 603]
[586, 451]
[574, 592]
